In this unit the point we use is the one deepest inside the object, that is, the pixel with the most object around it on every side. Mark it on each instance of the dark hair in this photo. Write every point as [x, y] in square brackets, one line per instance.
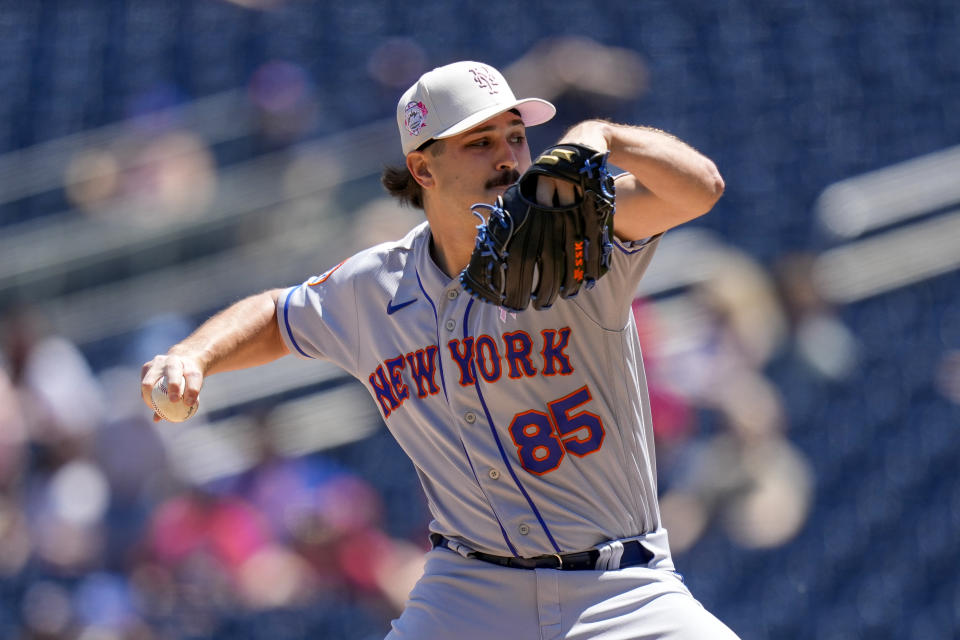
[400, 184]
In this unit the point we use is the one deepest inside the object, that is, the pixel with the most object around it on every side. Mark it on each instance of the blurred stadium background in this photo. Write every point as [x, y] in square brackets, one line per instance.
[162, 158]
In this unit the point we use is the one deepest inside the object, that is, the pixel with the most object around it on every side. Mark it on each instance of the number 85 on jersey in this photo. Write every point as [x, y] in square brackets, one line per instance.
[544, 438]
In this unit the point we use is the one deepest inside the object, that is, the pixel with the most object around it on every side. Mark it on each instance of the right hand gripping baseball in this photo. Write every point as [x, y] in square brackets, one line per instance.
[528, 251]
[183, 376]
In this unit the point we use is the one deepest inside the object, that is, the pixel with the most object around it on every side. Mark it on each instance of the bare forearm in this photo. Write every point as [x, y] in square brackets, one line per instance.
[666, 166]
[667, 182]
[241, 336]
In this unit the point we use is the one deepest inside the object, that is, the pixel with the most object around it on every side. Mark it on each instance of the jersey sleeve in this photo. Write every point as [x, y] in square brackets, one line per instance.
[318, 318]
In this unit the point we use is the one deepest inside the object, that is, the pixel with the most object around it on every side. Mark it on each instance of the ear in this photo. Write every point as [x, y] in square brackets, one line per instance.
[419, 167]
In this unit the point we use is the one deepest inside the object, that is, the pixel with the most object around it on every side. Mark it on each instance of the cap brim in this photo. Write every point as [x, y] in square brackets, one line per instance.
[533, 111]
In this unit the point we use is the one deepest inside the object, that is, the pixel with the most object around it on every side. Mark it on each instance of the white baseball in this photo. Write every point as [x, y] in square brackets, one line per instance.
[170, 411]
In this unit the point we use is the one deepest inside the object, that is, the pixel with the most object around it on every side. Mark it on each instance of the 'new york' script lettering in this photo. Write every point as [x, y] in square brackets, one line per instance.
[515, 353]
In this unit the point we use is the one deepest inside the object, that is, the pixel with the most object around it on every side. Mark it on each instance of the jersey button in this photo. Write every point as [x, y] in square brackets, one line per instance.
[450, 325]
[494, 474]
[452, 294]
[470, 417]
[524, 529]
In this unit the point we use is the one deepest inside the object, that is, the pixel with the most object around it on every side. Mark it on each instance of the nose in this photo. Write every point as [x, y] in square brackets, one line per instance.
[506, 158]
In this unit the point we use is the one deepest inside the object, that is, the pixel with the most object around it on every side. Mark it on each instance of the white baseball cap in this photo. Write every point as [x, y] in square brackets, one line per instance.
[454, 98]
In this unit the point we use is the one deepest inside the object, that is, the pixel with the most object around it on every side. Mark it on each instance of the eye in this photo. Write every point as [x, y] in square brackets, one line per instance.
[481, 142]
[518, 138]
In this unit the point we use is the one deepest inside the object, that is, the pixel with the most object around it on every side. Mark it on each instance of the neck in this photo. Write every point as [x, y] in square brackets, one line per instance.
[450, 256]
[453, 228]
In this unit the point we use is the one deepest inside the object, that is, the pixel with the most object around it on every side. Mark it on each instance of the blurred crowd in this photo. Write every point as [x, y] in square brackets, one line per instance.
[794, 438]
[99, 537]
[724, 451]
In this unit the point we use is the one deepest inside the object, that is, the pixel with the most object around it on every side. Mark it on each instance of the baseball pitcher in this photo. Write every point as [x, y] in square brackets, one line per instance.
[497, 340]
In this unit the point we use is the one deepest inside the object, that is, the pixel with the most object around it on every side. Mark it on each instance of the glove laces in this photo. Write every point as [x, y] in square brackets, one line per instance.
[489, 246]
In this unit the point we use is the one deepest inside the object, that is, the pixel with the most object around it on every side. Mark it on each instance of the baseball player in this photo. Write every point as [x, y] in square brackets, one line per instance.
[530, 430]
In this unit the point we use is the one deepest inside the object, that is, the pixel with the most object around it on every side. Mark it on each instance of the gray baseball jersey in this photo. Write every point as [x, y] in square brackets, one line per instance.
[530, 431]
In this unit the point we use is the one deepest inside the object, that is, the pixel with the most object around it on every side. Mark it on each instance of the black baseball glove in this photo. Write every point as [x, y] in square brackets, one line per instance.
[527, 251]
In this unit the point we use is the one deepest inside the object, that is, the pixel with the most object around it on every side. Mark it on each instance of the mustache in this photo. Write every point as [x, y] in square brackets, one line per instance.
[504, 179]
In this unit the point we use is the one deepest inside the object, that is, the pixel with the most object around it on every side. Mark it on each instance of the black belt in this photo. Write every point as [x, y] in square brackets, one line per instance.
[634, 554]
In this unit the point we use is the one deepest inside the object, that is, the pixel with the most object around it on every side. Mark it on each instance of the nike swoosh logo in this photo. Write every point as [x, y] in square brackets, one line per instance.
[393, 308]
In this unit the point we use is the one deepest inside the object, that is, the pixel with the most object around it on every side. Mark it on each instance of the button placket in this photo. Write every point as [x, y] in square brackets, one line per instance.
[474, 439]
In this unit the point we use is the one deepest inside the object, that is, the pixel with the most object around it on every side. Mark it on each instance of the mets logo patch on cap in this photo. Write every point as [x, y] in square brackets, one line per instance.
[416, 117]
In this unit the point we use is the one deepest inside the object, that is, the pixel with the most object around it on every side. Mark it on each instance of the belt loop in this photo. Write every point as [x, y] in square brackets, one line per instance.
[616, 554]
[610, 555]
[442, 541]
[603, 559]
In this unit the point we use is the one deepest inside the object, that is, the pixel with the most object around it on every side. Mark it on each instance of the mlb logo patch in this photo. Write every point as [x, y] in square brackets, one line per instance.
[415, 118]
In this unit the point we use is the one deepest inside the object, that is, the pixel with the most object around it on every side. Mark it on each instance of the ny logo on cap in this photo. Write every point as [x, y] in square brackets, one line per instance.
[487, 80]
